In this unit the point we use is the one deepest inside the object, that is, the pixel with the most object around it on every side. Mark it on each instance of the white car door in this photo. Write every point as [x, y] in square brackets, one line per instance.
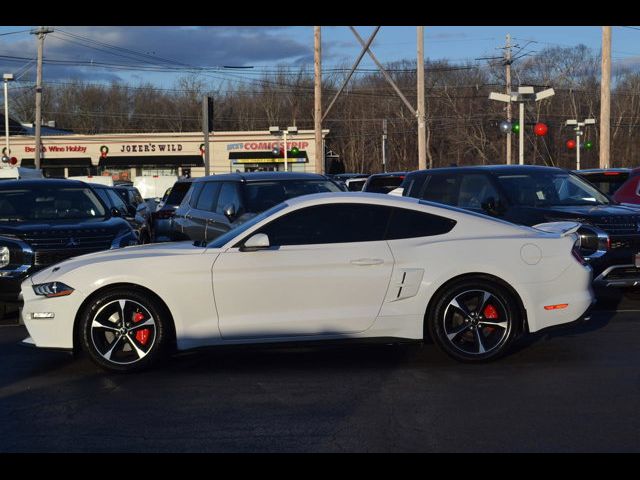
[327, 272]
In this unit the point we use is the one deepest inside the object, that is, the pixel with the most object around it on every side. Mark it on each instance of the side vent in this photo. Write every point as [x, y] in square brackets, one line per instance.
[405, 283]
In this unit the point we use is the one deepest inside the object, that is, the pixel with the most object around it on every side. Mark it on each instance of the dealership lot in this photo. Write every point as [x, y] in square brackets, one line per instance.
[574, 389]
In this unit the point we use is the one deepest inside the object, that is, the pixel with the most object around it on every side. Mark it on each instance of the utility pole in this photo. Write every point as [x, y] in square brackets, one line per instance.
[384, 145]
[420, 111]
[205, 131]
[507, 62]
[605, 99]
[317, 107]
[41, 32]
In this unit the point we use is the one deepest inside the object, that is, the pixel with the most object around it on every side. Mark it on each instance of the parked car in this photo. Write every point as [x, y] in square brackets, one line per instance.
[137, 207]
[43, 222]
[106, 180]
[336, 266]
[356, 184]
[527, 195]
[118, 207]
[17, 173]
[629, 192]
[162, 218]
[383, 182]
[153, 187]
[218, 203]
[607, 180]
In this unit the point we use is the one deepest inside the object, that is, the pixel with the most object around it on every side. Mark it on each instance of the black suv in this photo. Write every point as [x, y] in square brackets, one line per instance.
[528, 195]
[217, 203]
[43, 222]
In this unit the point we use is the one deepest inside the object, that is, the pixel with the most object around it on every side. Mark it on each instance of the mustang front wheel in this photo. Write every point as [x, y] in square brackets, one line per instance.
[124, 330]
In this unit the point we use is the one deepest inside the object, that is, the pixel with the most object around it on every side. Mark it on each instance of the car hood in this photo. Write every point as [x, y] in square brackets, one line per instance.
[584, 211]
[18, 229]
[152, 251]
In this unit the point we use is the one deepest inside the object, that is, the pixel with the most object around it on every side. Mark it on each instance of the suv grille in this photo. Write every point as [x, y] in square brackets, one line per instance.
[618, 225]
[94, 239]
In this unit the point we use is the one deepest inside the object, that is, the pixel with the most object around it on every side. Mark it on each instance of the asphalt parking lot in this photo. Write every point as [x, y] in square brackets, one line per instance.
[576, 389]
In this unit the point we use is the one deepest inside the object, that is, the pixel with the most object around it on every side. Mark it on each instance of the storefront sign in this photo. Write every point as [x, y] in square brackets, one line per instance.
[268, 160]
[152, 147]
[256, 146]
[58, 149]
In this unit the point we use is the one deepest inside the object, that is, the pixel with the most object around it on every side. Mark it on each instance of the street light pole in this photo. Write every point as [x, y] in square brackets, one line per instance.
[521, 135]
[286, 165]
[578, 129]
[524, 94]
[7, 78]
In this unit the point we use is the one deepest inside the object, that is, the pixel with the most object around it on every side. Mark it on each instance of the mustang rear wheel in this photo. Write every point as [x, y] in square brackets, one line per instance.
[474, 320]
[124, 330]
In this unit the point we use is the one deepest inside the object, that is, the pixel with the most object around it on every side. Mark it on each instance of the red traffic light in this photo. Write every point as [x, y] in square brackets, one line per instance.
[540, 129]
[13, 161]
[571, 144]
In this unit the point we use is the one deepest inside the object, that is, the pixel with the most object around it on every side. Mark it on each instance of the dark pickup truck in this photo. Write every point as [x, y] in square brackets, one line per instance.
[528, 195]
[43, 222]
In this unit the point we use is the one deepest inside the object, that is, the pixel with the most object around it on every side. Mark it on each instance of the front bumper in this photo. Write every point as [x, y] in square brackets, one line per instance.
[619, 276]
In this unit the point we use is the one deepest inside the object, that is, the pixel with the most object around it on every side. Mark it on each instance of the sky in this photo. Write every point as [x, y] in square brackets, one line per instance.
[161, 55]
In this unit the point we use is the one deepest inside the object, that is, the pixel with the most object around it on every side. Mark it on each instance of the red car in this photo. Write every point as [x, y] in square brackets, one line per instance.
[629, 191]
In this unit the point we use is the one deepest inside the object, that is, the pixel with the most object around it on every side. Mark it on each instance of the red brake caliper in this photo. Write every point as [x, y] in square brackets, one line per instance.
[490, 313]
[142, 335]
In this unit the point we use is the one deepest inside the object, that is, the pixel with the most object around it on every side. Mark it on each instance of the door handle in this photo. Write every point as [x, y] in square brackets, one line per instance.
[367, 261]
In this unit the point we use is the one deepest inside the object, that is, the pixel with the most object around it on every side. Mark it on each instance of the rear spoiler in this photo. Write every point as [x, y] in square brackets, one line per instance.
[561, 228]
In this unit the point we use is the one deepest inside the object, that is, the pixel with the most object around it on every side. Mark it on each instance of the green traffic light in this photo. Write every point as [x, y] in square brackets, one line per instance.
[295, 151]
[515, 128]
[588, 145]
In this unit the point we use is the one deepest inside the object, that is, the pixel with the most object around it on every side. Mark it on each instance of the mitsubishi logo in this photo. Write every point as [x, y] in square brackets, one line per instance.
[72, 242]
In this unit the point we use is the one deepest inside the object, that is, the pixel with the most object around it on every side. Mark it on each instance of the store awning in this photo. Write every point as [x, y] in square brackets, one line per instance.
[267, 157]
[156, 161]
[57, 162]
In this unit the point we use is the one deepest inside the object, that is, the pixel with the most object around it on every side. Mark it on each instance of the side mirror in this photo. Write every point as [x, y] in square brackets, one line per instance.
[259, 241]
[492, 206]
[230, 211]
[115, 212]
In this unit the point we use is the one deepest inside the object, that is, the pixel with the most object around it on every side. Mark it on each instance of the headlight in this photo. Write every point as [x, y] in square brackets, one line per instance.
[593, 242]
[53, 289]
[125, 238]
[4, 257]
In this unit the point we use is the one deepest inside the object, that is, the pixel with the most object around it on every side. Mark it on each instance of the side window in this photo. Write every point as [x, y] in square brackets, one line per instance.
[138, 197]
[334, 223]
[208, 196]
[102, 193]
[442, 189]
[474, 190]
[229, 195]
[117, 201]
[193, 196]
[407, 223]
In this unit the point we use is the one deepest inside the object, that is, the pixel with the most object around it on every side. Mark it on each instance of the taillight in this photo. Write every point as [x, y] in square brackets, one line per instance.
[164, 214]
[575, 251]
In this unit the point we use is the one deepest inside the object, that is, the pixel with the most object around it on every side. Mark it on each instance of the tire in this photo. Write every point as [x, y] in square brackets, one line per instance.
[486, 331]
[136, 344]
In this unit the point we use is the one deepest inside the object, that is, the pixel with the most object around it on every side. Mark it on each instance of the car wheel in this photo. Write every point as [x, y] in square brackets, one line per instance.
[474, 320]
[124, 330]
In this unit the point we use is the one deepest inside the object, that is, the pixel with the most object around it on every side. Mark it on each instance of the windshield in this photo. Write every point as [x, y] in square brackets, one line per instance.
[231, 234]
[607, 182]
[263, 195]
[384, 184]
[47, 203]
[543, 189]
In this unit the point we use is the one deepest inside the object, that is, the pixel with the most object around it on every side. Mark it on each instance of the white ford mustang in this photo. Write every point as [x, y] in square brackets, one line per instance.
[319, 267]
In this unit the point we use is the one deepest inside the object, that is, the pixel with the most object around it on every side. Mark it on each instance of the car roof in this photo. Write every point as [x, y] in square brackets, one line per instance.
[261, 176]
[490, 168]
[49, 182]
[387, 174]
[602, 170]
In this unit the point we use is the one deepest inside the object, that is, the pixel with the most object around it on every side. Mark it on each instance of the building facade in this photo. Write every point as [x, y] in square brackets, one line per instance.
[125, 156]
